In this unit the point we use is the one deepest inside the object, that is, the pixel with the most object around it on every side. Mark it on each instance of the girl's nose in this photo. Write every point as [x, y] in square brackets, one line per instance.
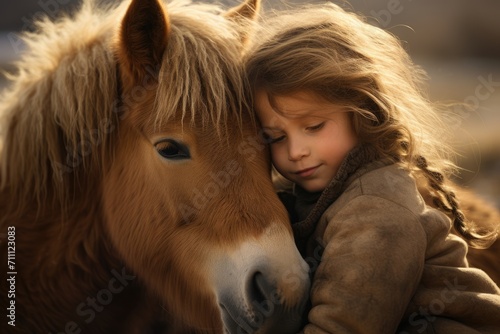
[297, 149]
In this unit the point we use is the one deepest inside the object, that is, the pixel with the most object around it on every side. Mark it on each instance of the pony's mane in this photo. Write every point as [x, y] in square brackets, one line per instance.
[63, 105]
[200, 78]
[63, 89]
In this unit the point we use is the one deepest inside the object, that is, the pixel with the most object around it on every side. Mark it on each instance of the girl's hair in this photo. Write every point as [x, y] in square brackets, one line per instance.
[338, 56]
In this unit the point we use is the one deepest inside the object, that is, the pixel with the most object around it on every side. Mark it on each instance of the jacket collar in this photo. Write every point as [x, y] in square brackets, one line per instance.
[358, 161]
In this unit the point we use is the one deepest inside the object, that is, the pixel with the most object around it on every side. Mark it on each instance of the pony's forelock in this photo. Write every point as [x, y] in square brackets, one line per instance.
[199, 82]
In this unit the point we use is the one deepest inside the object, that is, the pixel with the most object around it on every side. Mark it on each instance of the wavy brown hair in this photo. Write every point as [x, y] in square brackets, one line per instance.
[338, 56]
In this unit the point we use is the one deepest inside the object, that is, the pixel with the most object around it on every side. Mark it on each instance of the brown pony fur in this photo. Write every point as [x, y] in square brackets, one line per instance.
[100, 208]
[485, 217]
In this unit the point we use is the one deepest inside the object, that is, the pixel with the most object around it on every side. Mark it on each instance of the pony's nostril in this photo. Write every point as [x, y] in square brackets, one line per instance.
[261, 289]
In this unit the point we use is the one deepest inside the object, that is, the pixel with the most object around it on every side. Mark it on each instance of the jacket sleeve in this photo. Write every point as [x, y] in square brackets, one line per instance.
[370, 268]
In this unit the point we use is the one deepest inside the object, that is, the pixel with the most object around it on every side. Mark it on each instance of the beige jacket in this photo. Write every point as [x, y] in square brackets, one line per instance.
[384, 262]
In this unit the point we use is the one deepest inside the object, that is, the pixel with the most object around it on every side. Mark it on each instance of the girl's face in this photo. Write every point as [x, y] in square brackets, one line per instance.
[309, 137]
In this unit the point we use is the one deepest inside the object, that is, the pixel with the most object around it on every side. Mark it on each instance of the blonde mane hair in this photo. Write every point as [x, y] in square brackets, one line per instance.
[58, 118]
[208, 90]
[337, 55]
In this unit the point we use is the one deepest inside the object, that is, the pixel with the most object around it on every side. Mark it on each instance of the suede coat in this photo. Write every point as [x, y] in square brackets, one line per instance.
[384, 262]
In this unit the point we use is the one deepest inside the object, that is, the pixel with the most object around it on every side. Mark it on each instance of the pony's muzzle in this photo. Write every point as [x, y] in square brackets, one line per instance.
[262, 290]
[264, 307]
[269, 304]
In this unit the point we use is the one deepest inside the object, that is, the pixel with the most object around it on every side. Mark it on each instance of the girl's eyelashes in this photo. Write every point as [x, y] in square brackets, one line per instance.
[268, 139]
[276, 139]
[315, 127]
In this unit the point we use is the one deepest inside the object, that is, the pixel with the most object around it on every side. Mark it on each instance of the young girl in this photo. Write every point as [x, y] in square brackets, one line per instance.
[340, 106]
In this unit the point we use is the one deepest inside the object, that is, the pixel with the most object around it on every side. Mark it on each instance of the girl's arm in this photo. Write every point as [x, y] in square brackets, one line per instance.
[370, 268]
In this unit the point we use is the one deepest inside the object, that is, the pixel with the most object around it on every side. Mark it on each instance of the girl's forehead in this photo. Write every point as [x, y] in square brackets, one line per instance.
[298, 104]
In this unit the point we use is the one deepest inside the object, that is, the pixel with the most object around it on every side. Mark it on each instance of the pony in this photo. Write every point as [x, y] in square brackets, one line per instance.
[135, 195]
[486, 217]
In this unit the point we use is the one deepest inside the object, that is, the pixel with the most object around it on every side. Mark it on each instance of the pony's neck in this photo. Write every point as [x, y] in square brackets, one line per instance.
[62, 260]
[66, 240]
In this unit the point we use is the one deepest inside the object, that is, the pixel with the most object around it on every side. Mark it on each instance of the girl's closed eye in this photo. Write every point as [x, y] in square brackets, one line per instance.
[317, 127]
[271, 139]
[276, 139]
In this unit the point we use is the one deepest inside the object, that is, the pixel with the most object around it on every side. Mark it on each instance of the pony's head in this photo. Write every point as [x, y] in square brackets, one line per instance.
[188, 198]
[128, 133]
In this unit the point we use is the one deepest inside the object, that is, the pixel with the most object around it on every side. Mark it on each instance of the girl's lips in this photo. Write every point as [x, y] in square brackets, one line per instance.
[306, 172]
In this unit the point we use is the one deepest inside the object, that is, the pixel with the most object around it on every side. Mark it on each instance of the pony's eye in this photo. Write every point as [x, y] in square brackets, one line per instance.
[172, 150]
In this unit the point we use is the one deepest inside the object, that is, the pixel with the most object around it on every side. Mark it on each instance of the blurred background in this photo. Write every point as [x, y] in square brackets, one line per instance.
[456, 41]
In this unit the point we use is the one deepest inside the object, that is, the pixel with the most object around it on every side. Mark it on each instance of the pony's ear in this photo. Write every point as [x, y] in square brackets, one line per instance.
[243, 14]
[142, 39]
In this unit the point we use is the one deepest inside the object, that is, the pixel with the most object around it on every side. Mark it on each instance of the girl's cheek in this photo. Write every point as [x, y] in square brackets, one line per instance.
[276, 154]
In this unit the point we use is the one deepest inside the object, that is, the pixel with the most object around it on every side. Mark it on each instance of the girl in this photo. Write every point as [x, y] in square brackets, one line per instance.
[340, 106]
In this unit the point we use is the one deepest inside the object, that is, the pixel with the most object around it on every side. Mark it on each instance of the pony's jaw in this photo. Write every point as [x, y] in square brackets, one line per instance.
[262, 285]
